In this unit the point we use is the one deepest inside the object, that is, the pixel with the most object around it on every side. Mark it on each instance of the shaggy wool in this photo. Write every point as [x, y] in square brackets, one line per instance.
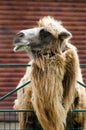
[54, 73]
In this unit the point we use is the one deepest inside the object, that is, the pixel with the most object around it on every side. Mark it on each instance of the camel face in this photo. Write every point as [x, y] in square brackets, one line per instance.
[32, 39]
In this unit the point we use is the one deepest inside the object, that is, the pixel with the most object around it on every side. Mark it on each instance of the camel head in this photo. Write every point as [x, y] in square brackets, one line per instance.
[32, 39]
[48, 36]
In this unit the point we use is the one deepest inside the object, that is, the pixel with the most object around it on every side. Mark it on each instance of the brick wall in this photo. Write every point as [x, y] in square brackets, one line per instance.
[16, 15]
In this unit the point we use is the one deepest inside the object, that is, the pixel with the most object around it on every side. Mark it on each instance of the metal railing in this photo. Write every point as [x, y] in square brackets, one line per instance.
[28, 82]
[14, 126]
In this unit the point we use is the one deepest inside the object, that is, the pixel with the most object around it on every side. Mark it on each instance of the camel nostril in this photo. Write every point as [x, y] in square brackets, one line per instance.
[16, 41]
[20, 35]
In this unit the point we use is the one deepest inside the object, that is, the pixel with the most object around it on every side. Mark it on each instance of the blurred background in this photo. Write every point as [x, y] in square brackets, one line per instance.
[16, 15]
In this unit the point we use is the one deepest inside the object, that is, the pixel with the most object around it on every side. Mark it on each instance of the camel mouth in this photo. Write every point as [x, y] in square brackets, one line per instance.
[18, 47]
[21, 46]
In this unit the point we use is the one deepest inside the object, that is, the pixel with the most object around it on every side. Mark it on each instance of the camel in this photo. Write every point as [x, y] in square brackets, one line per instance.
[54, 73]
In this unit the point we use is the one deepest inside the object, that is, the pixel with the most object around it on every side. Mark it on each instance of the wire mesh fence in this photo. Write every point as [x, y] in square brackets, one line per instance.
[9, 118]
[12, 123]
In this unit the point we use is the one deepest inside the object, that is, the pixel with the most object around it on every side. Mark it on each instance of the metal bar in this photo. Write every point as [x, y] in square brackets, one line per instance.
[77, 110]
[24, 65]
[9, 110]
[4, 121]
[14, 65]
[9, 120]
[82, 65]
[10, 93]
[83, 85]
[15, 119]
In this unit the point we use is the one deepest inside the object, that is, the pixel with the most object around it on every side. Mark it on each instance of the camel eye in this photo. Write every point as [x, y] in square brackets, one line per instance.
[44, 33]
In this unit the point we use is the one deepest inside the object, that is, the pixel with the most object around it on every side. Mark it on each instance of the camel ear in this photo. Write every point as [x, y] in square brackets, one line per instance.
[65, 35]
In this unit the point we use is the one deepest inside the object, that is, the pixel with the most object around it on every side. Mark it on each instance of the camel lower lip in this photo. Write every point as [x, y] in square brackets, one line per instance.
[16, 48]
[21, 47]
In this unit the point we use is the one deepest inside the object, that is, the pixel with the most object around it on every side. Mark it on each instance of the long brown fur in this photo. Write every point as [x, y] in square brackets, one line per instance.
[54, 86]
